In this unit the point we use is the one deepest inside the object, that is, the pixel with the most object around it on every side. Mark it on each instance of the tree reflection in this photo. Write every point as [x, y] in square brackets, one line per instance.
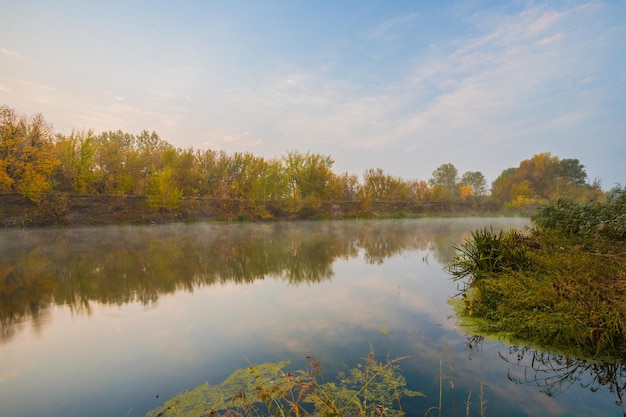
[124, 264]
[554, 373]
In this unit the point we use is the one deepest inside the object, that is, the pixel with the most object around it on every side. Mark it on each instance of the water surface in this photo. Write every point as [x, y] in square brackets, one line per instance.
[112, 321]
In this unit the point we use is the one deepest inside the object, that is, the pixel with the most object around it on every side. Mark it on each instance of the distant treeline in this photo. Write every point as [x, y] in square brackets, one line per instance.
[35, 161]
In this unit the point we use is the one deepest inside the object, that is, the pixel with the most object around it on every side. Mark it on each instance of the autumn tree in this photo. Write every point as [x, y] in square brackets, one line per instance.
[27, 159]
[348, 187]
[308, 174]
[206, 172]
[269, 181]
[113, 173]
[185, 174]
[76, 156]
[541, 178]
[146, 156]
[419, 191]
[162, 190]
[501, 186]
[238, 174]
[378, 186]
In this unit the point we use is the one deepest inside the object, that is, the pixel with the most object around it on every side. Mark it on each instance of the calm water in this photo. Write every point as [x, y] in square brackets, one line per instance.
[112, 321]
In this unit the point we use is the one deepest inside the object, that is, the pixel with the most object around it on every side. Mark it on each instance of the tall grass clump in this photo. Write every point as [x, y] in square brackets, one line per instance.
[562, 286]
[487, 253]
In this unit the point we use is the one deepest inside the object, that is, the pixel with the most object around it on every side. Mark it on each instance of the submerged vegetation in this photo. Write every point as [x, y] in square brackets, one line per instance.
[370, 389]
[560, 285]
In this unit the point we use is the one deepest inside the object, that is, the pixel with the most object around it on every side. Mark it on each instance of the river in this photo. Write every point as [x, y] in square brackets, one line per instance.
[113, 321]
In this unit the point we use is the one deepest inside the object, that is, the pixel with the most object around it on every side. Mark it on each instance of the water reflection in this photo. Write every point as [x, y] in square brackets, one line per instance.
[554, 373]
[122, 314]
[119, 265]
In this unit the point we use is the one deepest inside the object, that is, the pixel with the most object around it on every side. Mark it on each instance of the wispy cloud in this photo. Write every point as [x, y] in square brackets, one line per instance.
[550, 39]
[387, 28]
[478, 75]
[485, 89]
[489, 83]
[10, 54]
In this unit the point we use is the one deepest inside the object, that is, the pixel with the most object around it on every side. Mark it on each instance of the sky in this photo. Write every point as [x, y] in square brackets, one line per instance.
[400, 85]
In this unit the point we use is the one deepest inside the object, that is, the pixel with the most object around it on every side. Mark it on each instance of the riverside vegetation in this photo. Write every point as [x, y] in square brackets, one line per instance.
[561, 285]
[115, 177]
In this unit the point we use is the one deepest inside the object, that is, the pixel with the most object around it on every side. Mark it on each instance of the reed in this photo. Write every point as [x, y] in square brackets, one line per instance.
[487, 253]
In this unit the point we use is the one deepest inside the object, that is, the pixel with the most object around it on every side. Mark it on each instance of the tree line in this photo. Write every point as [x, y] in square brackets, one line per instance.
[35, 160]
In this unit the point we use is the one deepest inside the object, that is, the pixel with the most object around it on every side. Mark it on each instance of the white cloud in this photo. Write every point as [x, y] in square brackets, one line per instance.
[10, 54]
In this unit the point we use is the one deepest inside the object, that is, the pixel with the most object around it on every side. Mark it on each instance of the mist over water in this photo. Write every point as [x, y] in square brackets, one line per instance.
[114, 320]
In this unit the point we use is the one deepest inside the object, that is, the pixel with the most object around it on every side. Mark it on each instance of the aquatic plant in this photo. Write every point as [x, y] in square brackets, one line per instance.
[370, 389]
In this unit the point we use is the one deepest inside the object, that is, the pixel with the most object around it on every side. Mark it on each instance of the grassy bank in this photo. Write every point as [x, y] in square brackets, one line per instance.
[561, 284]
[76, 209]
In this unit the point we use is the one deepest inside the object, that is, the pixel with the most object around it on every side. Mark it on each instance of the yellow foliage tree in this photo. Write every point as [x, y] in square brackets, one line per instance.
[466, 192]
[27, 158]
[162, 192]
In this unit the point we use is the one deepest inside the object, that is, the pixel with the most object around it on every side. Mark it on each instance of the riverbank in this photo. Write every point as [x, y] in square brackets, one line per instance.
[562, 285]
[67, 209]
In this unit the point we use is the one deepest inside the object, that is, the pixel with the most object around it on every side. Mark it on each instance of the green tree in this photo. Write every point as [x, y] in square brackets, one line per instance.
[27, 159]
[572, 171]
[446, 178]
[475, 180]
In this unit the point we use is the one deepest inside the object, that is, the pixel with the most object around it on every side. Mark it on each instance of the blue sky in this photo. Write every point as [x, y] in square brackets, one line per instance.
[400, 85]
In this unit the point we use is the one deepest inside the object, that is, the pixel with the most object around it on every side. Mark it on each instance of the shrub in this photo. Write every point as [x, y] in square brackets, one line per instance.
[591, 219]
